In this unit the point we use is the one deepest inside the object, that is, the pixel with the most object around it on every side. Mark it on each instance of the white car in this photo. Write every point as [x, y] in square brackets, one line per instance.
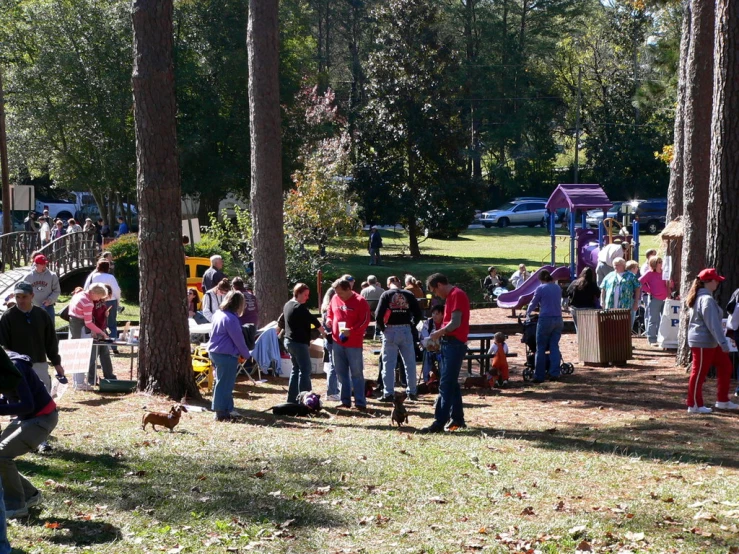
[518, 212]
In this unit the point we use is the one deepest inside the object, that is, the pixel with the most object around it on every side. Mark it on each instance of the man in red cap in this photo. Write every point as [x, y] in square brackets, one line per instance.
[45, 285]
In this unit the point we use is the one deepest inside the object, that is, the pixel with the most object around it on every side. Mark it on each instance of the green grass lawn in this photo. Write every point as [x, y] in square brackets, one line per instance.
[605, 462]
[131, 312]
[465, 259]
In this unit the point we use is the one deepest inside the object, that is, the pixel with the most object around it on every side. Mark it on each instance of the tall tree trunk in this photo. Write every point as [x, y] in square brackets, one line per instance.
[164, 338]
[723, 210]
[270, 279]
[675, 190]
[697, 157]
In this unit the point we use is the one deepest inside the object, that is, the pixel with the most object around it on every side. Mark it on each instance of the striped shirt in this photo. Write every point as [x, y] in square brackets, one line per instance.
[81, 307]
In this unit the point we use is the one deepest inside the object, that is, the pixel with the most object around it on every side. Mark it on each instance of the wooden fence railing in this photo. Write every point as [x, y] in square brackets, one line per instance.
[71, 252]
[16, 249]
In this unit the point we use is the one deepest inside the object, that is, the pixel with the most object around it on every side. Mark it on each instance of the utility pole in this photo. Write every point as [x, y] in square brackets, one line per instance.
[577, 125]
[4, 162]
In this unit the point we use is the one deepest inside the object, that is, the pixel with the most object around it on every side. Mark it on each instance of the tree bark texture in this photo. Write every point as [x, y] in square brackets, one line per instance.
[164, 340]
[723, 209]
[270, 278]
[697, 156]
[675, 190]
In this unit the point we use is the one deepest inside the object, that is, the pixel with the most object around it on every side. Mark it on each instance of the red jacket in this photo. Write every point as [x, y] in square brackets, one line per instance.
[355, 312]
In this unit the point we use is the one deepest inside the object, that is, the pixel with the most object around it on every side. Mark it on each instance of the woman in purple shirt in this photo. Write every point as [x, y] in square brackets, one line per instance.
[251, 308]
[224, 348]
[548, 298]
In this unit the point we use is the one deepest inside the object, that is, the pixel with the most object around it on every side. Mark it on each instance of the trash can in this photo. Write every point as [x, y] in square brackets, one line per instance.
[604, 336]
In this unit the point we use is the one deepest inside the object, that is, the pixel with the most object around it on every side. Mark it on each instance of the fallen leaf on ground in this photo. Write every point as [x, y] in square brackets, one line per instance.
[528, 511]
[636, 537]
[52, 525]
[584, 546]
[437, 500]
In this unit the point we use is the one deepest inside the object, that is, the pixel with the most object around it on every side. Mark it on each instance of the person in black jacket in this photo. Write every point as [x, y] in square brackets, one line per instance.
[397, 337]
[36, 417]
[583, 293]
[28, 330]
[374, 245]
[298, 324]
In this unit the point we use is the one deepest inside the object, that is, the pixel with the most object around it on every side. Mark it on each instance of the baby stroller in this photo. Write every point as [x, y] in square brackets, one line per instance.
[528, 337]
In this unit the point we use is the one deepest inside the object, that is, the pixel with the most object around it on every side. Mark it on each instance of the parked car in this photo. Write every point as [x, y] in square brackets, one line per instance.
[516, 212]
[594, 217]
[16, 223]
[652, 213]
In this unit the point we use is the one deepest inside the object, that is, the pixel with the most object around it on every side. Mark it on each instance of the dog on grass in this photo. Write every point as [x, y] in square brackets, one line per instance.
[399, 414]
[432, 387]
[309, 403]
[481, 382]
[169, 420]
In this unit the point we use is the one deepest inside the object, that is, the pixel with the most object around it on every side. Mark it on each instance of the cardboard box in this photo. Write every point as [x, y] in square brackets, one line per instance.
[316, 349]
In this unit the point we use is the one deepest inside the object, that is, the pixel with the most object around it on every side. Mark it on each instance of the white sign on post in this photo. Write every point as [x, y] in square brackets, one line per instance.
[75, 354]
[191, 229]
[22, 197]
[669, 324]
[666, 267]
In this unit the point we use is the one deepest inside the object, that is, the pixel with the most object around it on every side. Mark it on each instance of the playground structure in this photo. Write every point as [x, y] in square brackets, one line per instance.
[585, 243]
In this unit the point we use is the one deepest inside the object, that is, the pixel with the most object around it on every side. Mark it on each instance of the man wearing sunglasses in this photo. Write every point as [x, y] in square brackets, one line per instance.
[28, 330]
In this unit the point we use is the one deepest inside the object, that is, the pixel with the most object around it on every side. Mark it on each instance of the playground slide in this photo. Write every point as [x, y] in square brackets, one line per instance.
[515, 299]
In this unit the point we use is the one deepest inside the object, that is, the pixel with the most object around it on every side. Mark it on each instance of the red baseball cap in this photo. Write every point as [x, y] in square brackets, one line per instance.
[710, 274]
[40, 260]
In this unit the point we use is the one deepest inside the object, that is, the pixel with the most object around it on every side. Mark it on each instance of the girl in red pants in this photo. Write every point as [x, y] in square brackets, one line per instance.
[708, 344]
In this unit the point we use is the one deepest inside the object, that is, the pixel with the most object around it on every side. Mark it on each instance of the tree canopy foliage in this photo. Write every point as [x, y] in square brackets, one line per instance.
[457, 105]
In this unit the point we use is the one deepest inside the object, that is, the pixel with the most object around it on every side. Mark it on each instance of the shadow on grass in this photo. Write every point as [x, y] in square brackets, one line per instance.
[166, 486]
[76, 532]
[102, 400]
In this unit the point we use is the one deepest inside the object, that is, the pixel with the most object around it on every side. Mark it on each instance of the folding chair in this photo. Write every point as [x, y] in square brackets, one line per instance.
[203, 368]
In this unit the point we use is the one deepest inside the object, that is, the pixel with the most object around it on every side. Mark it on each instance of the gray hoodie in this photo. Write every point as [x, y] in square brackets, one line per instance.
[45, 286]
[706, 328]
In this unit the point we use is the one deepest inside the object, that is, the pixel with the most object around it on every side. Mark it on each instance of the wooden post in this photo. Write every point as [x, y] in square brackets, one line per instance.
[4, 161]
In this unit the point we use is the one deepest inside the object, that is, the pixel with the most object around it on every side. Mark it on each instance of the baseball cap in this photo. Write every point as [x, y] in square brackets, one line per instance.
[710, 274]
[41, 260]
[348, 277]
[23, 288]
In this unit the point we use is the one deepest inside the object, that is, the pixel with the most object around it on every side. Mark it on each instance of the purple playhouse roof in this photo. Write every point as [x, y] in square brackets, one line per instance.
[578, 197]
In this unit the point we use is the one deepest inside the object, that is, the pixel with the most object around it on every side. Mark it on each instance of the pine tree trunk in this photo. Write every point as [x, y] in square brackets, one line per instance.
[697, 156]
[723, 209]
[270, 279]
[675, 190]
[164, 339]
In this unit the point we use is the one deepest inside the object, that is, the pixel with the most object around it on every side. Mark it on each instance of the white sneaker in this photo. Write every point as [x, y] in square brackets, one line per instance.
[333, 398]
[728, 405]
[700, 410]
[235, 413]
[35, 500]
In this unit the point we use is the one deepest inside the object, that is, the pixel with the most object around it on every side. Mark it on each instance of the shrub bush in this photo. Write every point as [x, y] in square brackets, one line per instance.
[125, 252]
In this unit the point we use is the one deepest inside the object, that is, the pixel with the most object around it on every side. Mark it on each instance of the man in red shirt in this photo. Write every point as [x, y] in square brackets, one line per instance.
[455, 327]
[348, 315]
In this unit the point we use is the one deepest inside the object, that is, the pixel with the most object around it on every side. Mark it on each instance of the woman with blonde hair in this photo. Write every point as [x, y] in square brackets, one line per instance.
[708, 344]
[226, 344]
[81, 317]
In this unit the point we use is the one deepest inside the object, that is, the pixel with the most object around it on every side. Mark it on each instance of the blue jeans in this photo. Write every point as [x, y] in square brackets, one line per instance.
[398, 339]
[654, 316]
[548, 333]
[428, 361]
[300, 376]
[112, 318]
[350, 371]
[449, 403]
[52, 315]
[226, 367]
[332, 381]
[4, 544]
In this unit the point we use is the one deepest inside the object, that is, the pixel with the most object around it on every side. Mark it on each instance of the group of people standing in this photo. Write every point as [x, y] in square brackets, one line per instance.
[346, 316]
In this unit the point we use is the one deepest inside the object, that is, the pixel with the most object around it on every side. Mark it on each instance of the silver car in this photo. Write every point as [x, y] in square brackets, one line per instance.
[518, 212]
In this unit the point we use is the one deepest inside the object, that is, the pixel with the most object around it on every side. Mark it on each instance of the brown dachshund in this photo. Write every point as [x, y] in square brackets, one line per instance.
[482, 382]
[169, 420]
[432, 387]
[399, 414]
